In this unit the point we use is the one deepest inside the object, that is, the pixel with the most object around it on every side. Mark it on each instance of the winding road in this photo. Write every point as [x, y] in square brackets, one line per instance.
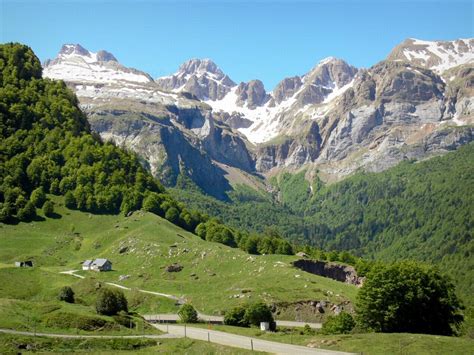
[213, 336]
[241, 341]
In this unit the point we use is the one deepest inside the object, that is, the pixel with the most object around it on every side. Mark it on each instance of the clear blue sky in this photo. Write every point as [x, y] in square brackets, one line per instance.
[268, 40]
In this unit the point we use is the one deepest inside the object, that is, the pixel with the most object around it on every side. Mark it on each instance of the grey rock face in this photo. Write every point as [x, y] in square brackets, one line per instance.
[400, 82]
[438, 56]
[293, 152]
[164, 147]
[105, 56]
[69, 49]
[338, 272]
[286, 88]
[234, 120]
[201, 77]
[253, 93]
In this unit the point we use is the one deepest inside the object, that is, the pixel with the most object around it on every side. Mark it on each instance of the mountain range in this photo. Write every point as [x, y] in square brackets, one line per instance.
[199, 125]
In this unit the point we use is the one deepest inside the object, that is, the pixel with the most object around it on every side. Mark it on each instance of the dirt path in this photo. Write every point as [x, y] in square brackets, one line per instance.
[73, 273]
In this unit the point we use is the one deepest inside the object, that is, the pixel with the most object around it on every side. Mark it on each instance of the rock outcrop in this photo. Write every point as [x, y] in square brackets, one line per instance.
[338, 272]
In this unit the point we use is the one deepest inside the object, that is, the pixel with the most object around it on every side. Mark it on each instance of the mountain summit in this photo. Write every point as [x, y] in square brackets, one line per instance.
[438, 56]
[200, 77]
[75, 63]
[76, 50]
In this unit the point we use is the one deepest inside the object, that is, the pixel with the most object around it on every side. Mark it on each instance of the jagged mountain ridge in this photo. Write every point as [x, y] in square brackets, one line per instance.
[173, 132]
[333, 120]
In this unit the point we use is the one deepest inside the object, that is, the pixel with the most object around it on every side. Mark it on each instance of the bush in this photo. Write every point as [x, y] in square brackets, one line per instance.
[408, 297]
[110, 302]
[48, 208]
[188, 314]
[258, 312]
[27, 213]
[343, 323]
[307, 330]
[69, 200]
[66, 294]
[38, 197]
[236, 317]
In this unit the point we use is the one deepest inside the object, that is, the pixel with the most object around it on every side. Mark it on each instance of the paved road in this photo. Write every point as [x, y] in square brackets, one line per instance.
[75, 336]
[173, 318]
[240, 341]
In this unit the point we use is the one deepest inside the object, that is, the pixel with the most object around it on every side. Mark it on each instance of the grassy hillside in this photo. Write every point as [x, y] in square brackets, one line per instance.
[10, 344]
[416, 210]
[143, 244]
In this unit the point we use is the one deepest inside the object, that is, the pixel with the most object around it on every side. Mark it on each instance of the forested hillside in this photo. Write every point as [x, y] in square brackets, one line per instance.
[47, 147]
[421, 211]
[416, 210]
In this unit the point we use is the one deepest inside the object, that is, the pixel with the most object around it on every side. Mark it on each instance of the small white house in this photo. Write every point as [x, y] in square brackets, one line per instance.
[101, 265]
[86, 265]
[97, 265]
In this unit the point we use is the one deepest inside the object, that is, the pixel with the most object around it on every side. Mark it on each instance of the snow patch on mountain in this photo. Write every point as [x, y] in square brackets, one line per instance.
[76, 64]
[438, 56]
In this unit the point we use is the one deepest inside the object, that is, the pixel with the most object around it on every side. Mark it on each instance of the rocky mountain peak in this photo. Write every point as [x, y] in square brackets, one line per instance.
[438, 56]
[200, 77]
[253, 93]
[199, 67]
[70, 51]
[330, 72]
[74, 64]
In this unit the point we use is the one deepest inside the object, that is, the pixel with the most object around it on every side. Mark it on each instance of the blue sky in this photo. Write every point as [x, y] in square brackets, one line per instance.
[268, 40]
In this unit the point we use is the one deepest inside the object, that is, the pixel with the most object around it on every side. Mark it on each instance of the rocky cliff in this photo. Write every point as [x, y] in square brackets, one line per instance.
[338, 272]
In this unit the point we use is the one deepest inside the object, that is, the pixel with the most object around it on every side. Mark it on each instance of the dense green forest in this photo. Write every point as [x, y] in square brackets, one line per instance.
[47, 147]
[416, 210]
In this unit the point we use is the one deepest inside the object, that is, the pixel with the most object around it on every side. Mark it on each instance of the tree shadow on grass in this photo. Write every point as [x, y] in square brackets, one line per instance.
[55, 215]
[37, 219]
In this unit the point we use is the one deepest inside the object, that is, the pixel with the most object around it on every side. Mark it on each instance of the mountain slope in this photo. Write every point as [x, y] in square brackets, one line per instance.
[174, 133]
[198, 124]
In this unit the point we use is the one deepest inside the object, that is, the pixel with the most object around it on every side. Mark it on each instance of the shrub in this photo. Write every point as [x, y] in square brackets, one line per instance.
[236, 317]
[343, 323]
[66, 294]
[48, 208]
[307, 330]
[258, 312]
[188, 314]
[28, 212]
[69, 200]
[110, 302]
[38, 197]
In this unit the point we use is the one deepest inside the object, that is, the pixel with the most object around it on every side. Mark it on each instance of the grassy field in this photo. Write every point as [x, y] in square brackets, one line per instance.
[14, 344]
[370, 343]
[214, 277]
